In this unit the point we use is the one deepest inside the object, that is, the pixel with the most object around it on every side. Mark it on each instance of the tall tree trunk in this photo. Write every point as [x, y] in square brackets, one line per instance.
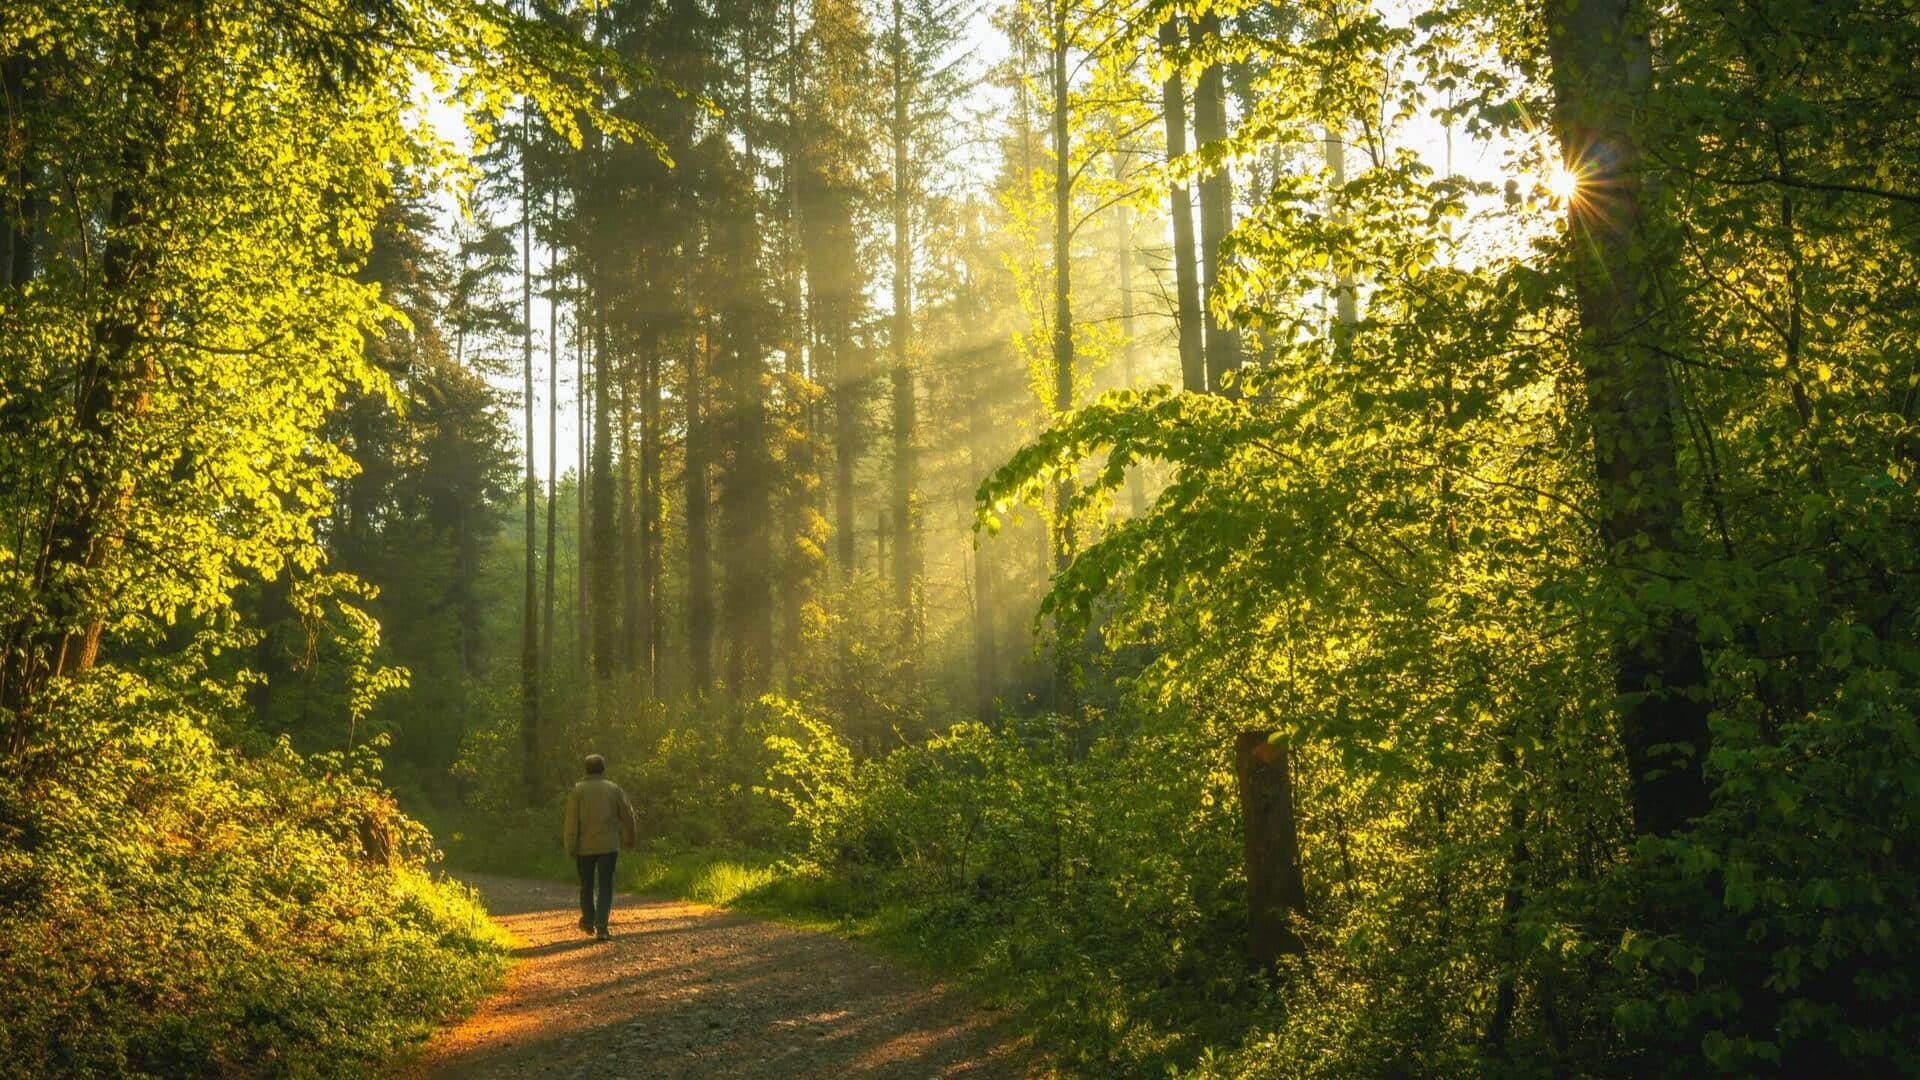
[986, 661]
[801, 565]
[581, 392]
[846, 449]
[16, 120]
[1063, 540]
[1186, 276]
[632, 619]
[1123, 251]
[1042, 533]
[81, 528]
[603, 612]
[1216, 214]
[529, 639]
[747, 587]
[1512, 900]
[553, 447]
[699, 558]
[1346, 310]
[1601, 70]
[652, 630]
[906, 548]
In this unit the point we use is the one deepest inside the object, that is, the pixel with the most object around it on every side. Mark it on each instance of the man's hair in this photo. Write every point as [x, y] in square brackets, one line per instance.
[596, 765]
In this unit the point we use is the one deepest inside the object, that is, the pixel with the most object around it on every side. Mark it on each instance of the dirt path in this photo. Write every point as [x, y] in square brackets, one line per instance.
[685, 990]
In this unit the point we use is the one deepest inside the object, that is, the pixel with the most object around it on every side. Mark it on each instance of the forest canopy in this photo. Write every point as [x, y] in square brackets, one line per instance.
[1329, 537]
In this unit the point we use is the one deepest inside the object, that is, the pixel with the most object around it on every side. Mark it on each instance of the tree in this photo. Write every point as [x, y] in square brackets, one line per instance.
[1601, 64]
[1173, 104]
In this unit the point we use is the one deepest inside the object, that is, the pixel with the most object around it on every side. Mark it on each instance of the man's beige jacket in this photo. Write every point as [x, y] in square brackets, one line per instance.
[599, 818]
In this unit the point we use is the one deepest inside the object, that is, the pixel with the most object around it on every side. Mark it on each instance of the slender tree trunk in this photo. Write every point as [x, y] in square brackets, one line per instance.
[1216, 215]
[650, 632]
[1186, 277]
[580, 394]
[746, 494]
[22, 217]
[603, 610]
[1601, 70]
[1065, 652]
[986, 660]
[1346, 311]
[846, 451]
[906, 548]
[699, 565]
[529, 639]
[1513, 898]
[632, 620]
[553, 448]
[800, 568]
[1123, 245]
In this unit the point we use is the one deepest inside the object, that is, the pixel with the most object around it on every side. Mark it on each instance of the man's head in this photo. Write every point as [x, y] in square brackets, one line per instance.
[596, 765]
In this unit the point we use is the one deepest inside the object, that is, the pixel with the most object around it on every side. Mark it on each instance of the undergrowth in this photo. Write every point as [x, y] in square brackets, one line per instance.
[170, 907]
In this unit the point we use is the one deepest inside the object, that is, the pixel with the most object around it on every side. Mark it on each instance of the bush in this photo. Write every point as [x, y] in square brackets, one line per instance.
[169, 907]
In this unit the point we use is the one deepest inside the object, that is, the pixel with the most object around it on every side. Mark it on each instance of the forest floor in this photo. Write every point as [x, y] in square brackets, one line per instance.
[685, 990]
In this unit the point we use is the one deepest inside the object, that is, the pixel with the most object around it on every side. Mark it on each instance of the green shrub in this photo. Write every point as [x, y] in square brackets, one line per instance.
[169, 907]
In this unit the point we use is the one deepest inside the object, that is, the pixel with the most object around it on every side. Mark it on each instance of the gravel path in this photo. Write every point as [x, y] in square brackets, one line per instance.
[686, 990]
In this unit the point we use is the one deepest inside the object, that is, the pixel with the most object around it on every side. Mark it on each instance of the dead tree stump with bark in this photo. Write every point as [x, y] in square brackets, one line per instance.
[1276, 893]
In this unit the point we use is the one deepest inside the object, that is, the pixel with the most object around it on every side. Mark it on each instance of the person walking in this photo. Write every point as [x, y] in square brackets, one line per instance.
[599, 823]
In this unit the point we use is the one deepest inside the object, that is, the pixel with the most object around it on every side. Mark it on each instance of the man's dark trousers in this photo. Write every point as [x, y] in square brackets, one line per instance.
[595, 909]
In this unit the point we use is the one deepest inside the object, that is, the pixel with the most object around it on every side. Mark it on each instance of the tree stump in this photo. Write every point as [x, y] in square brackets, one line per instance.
[1276, 893]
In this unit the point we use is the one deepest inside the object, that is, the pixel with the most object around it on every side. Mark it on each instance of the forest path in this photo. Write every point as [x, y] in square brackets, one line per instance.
[685, 990]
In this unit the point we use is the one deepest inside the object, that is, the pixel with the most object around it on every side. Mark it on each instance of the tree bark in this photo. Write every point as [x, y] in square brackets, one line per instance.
[1186, 276]
[553, 447]
[581, 392]
[1345, 306]
[906, 549]
[1601, 70]
[651, 630]
[1216, 216]
[632, 619]
[1123, 252]
[1276, 892]
[529, 640]
[699, 560]
[602, 546]
[1065, 687]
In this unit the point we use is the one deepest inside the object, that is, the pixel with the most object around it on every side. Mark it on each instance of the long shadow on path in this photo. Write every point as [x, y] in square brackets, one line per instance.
[689, 991]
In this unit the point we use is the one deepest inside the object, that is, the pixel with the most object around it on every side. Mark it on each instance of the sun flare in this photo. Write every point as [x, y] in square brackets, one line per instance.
[1562, 183]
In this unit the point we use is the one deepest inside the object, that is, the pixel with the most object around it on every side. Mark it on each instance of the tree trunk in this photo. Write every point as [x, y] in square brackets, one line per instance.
[1216, 215]
[1276, 893]
[1346, 310]
[529, 639]
[699, 560]
[1601, 70]
[581, 392]
[16, 119]
[1065, 687]
[745, 494]
[800, 568]
[632, 620]
[603, 564]
[553, 449]
[906, 548]
[846, 449]
[1123, 252]
[651, 630]
[1186, 276]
